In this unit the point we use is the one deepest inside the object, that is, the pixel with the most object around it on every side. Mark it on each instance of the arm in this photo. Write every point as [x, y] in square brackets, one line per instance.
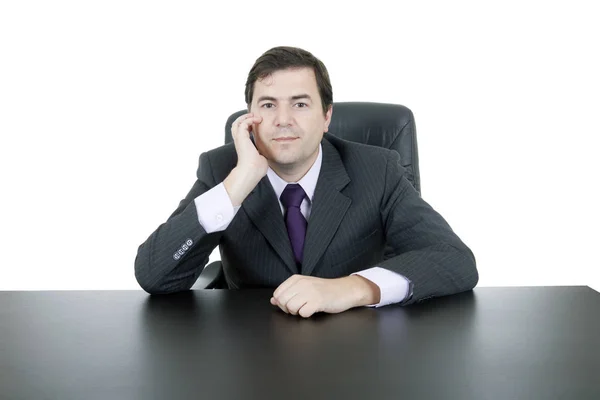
[173, 256]
[430, 260]
[428, 252]
[385, 286]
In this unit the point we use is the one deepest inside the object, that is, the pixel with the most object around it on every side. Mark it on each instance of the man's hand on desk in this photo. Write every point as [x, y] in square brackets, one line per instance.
[305, 295]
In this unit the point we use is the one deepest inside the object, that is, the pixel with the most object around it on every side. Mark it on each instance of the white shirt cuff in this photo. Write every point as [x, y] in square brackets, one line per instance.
[393, 286]
[214, 209]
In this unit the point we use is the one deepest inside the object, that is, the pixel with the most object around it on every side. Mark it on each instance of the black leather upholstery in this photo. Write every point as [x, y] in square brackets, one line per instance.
[378, 124]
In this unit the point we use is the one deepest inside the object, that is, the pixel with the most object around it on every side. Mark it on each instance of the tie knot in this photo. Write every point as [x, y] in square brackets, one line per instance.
[292, 195]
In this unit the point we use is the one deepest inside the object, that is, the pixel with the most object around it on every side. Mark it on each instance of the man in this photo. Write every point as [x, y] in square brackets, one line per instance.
[253, 198]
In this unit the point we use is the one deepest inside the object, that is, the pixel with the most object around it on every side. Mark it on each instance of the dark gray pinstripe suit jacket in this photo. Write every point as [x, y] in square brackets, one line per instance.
[362, 202]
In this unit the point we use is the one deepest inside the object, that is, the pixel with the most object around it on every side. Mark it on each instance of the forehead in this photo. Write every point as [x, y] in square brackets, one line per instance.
[287, 82]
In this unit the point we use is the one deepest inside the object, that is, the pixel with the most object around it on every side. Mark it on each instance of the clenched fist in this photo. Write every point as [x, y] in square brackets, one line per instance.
[305, 295]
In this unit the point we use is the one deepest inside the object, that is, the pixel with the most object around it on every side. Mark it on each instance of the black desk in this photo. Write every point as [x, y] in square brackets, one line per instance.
[493, 343]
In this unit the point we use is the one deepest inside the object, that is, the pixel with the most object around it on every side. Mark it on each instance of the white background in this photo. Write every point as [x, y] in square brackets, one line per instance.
[106, 106]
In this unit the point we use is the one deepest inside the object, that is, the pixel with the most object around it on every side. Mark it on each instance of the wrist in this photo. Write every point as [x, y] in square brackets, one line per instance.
[365, 292]
[239, 183]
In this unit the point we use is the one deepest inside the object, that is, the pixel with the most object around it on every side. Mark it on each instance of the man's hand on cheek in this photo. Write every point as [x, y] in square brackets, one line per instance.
[306, 295]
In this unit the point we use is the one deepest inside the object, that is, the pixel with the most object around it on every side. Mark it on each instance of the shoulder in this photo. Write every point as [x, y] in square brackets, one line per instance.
[218, 162]
[369, 167]
[224, 151]
[359, 154]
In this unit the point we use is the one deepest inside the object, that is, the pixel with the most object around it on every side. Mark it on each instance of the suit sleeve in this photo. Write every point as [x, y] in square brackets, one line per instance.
[425, 249]
[174, 255]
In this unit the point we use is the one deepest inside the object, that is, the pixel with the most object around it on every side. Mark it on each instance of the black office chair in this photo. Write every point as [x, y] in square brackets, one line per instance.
[377, 124]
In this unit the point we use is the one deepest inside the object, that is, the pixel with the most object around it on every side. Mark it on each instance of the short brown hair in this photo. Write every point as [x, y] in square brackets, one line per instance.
[280, 58]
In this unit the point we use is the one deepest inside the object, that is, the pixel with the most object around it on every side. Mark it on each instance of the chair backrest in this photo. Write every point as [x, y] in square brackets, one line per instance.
[378, 124]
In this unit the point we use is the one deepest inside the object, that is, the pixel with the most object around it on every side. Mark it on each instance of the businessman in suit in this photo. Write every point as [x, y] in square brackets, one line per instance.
[299, 210]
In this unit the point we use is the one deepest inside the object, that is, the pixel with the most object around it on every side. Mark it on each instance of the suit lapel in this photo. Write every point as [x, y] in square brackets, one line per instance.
[263, 208]
[327, 212]
[327, 209]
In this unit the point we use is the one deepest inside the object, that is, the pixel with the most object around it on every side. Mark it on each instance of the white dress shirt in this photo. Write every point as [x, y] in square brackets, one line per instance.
[215, 213]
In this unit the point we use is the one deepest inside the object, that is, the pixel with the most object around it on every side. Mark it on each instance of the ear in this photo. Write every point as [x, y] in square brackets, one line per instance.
[328, 119]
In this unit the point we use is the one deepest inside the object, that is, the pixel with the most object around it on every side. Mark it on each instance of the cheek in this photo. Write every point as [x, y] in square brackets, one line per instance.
[259, 141]
[315, 128]
[266, 116]
[265, 127]
[259, 131]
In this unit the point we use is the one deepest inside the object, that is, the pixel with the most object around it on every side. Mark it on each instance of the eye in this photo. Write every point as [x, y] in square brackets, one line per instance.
[302, 105]
[268, 105]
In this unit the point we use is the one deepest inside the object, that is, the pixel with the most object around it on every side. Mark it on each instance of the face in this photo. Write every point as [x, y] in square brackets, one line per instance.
[293, 122]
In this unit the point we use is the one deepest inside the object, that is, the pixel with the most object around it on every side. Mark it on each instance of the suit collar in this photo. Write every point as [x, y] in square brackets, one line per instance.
[308, 181]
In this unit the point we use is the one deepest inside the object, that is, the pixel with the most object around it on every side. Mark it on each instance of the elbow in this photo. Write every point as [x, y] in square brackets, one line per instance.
[153, 284]
[464, 275]
[147, 286]
[143, 276]
[471, 277]
[145, 283]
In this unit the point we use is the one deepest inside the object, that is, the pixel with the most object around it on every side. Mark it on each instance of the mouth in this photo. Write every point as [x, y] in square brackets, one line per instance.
[285, 139]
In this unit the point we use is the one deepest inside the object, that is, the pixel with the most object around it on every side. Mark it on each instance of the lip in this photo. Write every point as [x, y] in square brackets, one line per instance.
[288, 139]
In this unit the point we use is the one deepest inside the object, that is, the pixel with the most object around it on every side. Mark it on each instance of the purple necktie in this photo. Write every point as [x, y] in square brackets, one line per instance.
[291, 198]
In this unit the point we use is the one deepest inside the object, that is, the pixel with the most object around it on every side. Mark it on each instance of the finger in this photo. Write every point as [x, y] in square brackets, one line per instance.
[288, 289]
[276, 303]
[296, 303]
[238, 120]
[257, 121]
[307, 310]
[293, 300]
[281, 305]
[242, 119]
[285, 285]
[247, 124]
[244, 127]
[284, 298]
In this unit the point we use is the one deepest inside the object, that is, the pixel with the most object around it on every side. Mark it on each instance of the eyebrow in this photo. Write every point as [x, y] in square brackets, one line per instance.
[297, 97]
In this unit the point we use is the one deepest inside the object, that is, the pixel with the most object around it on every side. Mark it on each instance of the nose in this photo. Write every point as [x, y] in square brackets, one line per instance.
[283, 117]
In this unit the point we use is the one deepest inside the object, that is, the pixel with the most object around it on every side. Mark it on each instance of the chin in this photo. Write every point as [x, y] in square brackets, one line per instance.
[284, 161]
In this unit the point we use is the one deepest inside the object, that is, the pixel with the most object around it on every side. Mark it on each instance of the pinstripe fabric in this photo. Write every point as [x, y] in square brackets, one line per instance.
[362, 201]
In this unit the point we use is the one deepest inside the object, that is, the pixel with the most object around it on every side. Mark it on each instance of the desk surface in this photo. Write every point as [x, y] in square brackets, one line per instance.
[492, 343]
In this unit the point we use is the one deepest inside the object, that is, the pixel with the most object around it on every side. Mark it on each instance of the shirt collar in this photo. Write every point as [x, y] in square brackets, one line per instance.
[308, 181]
